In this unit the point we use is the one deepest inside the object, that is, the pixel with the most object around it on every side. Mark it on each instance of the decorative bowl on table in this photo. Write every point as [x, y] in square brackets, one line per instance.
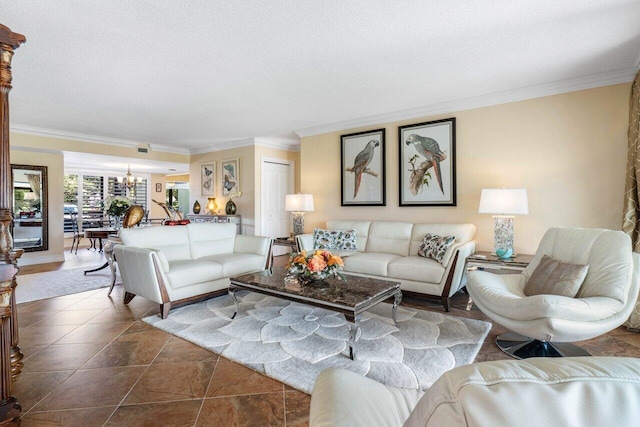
[504, 253]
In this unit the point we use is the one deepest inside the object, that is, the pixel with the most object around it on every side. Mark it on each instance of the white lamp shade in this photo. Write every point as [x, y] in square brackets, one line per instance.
[504, 201]
[298, 203]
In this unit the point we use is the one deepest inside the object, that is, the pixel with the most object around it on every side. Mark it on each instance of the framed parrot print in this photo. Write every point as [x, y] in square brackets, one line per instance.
[362, 166]
[427, 153]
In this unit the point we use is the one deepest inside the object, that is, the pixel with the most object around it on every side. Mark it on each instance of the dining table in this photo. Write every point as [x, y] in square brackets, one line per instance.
[111, 234]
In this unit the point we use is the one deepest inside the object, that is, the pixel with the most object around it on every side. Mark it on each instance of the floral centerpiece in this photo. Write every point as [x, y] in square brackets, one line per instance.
[117, 206]
[315, 266]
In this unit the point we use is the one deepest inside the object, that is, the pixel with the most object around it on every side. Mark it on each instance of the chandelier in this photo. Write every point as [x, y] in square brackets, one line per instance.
[129, 180]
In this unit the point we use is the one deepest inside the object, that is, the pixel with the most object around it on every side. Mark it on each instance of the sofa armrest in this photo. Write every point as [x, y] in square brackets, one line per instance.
[342, 398]
[305, 242]
[140, 269]
[259, 245]
[464, 250]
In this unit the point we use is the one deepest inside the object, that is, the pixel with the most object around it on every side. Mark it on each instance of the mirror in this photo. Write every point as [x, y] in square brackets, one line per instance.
[30, 219]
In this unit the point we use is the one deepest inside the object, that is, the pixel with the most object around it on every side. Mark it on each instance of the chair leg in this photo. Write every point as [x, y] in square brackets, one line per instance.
[522, 347]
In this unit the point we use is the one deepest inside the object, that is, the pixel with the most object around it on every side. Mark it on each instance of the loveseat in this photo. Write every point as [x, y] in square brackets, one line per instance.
[580, 391]
[169, 264]
[389, 250]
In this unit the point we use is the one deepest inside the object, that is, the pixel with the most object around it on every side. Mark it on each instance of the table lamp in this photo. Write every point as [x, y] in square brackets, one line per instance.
[504, 204]
[298, 204]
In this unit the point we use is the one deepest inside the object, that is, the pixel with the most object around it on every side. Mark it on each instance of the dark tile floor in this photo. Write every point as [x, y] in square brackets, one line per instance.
[90, 361]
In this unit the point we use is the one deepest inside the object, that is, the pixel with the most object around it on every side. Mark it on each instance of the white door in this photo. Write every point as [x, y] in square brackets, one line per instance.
[276, 184]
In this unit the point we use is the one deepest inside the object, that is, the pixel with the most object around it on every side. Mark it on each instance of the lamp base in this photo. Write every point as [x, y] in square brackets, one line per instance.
[298, 223]
[503, 232]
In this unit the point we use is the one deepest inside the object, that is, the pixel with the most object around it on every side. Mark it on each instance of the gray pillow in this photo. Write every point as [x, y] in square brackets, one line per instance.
[334, 240]
[553, 277]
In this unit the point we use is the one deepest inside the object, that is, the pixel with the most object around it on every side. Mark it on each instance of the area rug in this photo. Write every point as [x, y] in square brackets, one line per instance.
[293, 343]
[37, 286]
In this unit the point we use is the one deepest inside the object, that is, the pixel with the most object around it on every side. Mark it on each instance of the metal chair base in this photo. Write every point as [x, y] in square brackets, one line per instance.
[521, 347]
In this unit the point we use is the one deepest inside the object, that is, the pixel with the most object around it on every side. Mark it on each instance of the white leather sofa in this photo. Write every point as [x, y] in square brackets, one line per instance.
[389, 250]
[580, 391]
[168, 264]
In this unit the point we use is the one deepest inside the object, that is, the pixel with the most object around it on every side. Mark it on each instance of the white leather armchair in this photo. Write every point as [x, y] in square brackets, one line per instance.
[544, 325]
[577, 391]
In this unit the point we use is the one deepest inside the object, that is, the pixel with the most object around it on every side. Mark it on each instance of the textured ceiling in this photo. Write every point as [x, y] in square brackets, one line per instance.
[195, 74]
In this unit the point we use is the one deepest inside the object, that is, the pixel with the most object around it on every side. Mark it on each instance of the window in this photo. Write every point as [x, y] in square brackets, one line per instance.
[85, 195]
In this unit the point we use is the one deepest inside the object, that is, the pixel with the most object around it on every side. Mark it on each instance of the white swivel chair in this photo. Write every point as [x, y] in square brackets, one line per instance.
[545, 325]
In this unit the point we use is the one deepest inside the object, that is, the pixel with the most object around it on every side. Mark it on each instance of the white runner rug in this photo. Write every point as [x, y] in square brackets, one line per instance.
[37, 286]
[293, 343]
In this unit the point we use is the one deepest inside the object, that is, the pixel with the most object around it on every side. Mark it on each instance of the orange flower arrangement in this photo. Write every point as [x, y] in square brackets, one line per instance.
[317, 265]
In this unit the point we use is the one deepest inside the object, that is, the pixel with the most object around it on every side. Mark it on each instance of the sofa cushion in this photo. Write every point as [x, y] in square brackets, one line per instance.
[416, 268]
[434, 246]
[237, 263]
[334, 239]
[371, 263]
[389, 237]
[211, 238]
[361, 227]
[553, 277]
[189, 272]
[172, 241]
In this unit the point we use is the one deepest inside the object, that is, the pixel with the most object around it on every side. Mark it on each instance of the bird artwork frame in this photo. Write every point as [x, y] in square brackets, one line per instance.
[208, 179]
[362, 166]
[230, 176]
[427, 155]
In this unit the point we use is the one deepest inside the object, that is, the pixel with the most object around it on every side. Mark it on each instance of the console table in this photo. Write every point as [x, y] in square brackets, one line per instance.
[235, 219]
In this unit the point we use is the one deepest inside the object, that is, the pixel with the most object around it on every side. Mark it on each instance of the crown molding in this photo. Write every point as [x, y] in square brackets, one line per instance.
[280, 143]
[520, 94]
[93, 139]
[223, 145]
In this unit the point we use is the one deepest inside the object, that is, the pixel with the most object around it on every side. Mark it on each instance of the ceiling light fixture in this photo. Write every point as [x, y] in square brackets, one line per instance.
[129, 180]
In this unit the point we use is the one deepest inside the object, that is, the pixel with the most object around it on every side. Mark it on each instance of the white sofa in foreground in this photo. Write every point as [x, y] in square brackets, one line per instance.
[168, 264]
[580, 391]
[389, 250]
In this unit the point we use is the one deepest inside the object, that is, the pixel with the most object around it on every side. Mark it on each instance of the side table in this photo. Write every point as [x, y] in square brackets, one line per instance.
[286, 242]
[490, 262]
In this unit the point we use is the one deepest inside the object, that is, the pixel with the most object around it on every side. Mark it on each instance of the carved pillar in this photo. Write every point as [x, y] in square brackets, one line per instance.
[9, 407]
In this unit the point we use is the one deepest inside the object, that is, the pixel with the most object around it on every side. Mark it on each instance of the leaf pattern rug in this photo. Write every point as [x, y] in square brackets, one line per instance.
[293, 343]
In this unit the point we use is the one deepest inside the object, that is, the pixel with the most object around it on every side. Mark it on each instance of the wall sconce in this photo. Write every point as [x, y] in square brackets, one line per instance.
[504, 204]
[298, 204]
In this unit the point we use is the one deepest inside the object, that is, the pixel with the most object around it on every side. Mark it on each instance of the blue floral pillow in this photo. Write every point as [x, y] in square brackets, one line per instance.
[332, 240]
[434, 246]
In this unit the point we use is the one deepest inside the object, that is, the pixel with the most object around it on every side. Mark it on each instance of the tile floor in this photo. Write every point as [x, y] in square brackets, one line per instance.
[90, 361]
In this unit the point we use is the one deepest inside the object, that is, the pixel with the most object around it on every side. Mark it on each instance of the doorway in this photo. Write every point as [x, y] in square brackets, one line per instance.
[277, 182]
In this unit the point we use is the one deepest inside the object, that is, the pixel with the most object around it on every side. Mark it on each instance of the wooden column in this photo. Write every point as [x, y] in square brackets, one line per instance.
[9, 407]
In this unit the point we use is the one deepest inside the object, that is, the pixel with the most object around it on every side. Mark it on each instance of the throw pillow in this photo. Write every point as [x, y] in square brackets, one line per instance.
[343, 240]
[434, 246]
[553, 277]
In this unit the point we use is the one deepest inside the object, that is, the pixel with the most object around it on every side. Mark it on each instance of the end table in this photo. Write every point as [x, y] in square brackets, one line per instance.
[490, 262]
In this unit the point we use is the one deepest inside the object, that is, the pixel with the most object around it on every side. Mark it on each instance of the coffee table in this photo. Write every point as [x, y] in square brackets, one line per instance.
[350, 298]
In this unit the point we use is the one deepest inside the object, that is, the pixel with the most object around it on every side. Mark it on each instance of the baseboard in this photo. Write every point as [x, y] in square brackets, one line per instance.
[31, 260]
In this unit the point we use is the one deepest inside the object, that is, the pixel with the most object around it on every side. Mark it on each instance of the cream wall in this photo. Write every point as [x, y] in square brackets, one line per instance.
[55, 176]
[568, 151]
[42, 143]
[245, 204]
